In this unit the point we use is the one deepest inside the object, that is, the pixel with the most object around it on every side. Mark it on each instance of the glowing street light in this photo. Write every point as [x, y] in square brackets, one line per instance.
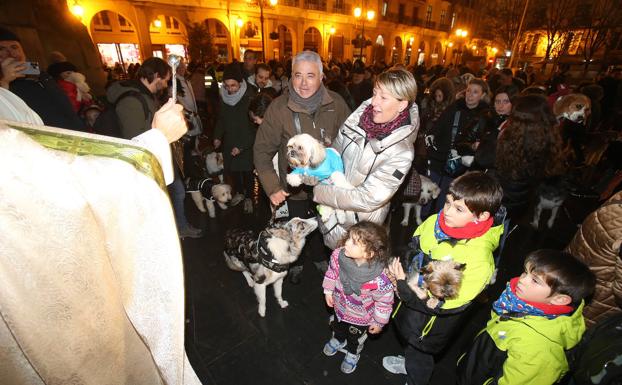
[239, 22]
[157, 23]
[358, 12]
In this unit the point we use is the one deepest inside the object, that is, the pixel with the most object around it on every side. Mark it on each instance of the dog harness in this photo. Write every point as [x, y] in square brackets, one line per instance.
[266, 258]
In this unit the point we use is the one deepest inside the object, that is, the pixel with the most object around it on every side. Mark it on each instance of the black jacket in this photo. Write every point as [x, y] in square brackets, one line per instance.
[43, 95]
[468, 132]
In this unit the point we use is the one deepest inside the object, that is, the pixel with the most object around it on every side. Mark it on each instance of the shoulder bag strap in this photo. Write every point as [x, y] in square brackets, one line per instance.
[454, 128]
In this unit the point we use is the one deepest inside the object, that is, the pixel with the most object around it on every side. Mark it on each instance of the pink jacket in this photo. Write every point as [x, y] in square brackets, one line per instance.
[372, 307]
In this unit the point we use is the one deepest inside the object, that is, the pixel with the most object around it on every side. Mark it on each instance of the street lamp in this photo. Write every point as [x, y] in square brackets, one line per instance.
[358, 12]
[272, 3]
[450, 44]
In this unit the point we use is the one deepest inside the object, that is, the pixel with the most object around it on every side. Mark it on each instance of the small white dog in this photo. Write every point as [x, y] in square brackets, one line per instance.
[429, 192]
[206, 194]
[309, 158]
[264, 258]
[214, 164]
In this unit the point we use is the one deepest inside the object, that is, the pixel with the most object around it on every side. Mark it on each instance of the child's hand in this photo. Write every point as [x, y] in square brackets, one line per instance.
[374, 329]
[329, 300]
[395, 268]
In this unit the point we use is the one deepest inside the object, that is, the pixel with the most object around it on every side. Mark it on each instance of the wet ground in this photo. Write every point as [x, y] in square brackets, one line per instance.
[228, 343]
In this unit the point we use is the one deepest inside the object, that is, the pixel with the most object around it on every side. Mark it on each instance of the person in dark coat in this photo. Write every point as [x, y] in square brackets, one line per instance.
[234, 133]
[40, 92]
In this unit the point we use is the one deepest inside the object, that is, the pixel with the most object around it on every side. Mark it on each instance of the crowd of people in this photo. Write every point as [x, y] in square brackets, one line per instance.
[487, 137]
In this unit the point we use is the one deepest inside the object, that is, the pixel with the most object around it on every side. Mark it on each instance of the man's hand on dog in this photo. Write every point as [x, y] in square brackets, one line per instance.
[374, 329]
[329, 300]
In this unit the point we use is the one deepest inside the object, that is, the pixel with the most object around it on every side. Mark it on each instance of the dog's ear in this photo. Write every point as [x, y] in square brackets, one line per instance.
[459, 266]
[436, 191]
[317, 155]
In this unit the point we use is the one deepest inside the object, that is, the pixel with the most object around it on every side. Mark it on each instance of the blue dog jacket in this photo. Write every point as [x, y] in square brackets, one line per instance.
[331, 164]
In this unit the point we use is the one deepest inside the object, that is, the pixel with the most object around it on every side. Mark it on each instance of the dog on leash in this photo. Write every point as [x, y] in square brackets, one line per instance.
[429, 192]
[309, 158]
[441, 279]
[206, 194]
[264, 258]
[551, 196]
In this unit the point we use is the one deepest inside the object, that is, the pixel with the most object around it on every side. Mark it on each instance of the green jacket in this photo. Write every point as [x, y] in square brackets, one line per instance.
[476, 253]
[522, 350]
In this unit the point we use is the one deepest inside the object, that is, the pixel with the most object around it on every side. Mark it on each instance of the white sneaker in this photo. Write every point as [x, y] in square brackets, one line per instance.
[394, 364]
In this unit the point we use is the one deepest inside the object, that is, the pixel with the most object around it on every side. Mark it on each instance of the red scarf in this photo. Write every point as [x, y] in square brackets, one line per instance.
[545, 307]
[381, 130]
[471, 230]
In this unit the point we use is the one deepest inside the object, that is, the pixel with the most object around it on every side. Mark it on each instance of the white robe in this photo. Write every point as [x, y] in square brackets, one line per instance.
[91, 276]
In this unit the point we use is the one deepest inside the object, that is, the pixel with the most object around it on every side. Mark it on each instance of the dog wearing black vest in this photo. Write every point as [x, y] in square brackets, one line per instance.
[264, 258]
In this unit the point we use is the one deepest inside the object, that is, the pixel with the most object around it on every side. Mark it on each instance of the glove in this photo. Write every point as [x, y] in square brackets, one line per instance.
[310, 180]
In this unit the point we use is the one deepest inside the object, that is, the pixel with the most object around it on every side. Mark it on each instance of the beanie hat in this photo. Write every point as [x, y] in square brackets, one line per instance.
[233, 71]
[7, 35]
[57, 68]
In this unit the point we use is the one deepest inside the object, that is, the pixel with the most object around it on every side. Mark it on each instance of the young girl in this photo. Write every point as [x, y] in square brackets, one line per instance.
[358, 289]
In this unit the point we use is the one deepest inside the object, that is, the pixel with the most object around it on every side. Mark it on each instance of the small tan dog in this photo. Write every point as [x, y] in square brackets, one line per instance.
[313, 163]
[574, 107]
[442, 279]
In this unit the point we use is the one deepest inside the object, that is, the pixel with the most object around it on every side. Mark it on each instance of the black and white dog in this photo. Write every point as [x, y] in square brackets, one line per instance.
[264, 258]
[205, 193]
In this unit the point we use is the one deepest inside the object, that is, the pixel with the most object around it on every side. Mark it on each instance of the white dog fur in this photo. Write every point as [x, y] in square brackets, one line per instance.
[221, 195]
[429, 192]
[214, 164]
[304, 151]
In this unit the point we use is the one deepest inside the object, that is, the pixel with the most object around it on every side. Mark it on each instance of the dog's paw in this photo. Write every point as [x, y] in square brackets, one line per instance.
[550, 223]
[294, 180]
[432, 303]
[262, 311]
[419, 221]
[534, 224]
[283, 304]
[404, 222]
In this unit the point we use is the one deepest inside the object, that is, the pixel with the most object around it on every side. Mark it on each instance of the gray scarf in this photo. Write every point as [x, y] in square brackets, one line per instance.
[310, 104]
[352, 276]
[232, 100]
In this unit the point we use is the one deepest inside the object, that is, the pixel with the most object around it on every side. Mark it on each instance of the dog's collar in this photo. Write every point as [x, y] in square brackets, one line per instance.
[266, 258]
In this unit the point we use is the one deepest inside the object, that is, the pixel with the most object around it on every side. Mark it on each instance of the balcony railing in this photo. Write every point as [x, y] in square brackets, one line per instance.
[444, 27]
[344, 9]
[291, 3]
[315, 5]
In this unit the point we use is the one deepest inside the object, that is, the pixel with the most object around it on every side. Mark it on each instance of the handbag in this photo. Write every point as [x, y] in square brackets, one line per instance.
[453, 165]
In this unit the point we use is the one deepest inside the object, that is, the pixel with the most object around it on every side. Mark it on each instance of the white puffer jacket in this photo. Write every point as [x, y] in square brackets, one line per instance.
[376, 168]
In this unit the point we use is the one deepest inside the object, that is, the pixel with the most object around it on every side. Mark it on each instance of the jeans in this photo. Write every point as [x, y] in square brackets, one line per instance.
[177, 193]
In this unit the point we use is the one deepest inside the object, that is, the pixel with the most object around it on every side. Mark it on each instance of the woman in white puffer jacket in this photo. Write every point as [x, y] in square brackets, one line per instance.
[376, 145]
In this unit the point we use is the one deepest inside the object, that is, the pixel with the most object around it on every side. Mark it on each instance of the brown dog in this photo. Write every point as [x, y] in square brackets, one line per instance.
[442, 279]
[574, 107]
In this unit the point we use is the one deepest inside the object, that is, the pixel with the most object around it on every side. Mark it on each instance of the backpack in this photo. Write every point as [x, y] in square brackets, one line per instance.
[107, 123]
[597, 358]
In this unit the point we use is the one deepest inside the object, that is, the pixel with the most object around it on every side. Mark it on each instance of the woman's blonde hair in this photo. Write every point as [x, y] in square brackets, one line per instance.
[400, 83]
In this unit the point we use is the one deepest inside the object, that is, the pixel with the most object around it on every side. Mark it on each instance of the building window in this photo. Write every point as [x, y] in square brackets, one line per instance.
[415, 13]
[101, 21]
[400, 13]
[385, 8]
[443, 16]
[428, 16]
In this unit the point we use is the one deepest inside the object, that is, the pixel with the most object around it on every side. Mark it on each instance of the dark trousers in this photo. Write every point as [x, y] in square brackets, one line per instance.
[243, 182]
[419, 366]
[354, 334]
[314, 247]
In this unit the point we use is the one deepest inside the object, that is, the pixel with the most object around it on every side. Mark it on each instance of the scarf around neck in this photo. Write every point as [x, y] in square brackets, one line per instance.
[510, 303]
[471, 230]
[232, 100]
[310, 104]
[353, 276]
[381, 130]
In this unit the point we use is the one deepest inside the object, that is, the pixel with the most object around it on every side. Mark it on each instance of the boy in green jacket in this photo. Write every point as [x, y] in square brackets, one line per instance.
[537, 318]
[466, 232]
